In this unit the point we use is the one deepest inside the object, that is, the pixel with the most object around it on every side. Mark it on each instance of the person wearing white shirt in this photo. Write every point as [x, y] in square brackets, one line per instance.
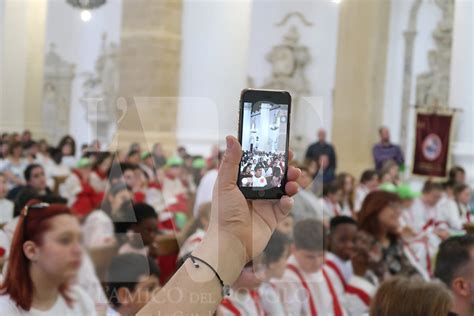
[352, 288]
[305, 287]
[274, 259]
[332, 196]
[259, 180]
[455, 212]
[195, 238]
[15, 166]
[6, 206]
[98, 227]
[424, 209]
[244, 298]
[131, 281]
[369, 182]
[306, 204]
[50, 266]
[204, 190]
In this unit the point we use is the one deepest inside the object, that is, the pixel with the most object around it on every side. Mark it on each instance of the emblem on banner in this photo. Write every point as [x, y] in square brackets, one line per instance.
[432, 147]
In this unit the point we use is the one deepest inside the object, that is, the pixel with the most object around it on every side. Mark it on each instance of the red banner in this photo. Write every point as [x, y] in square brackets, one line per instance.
[432, 144]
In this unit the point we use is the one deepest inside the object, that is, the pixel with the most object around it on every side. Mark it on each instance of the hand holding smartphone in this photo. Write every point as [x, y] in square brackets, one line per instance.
[264, 130]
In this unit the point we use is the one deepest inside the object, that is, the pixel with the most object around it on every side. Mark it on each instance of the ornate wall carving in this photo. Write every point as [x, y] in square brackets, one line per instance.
[101, 92]
[289, 61]
[433, 85]
[58, 76]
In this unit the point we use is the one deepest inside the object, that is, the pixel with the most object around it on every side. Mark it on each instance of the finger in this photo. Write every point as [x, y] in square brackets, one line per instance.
[291, 155]
[291, 188]
[283, 207]
[293, 173]
[230, 163]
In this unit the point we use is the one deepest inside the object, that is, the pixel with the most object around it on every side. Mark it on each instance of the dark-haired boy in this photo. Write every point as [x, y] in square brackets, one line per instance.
[369, 181]
[131, 281]
[332, 196]
[143, 232]
[353, 290]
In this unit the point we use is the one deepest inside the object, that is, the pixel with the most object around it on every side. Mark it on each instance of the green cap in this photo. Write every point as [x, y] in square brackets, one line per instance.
[406, 193]
[388, 187]
[174, 162]
[145, 155]
[199, 163]
[180, 219]
[83, 163]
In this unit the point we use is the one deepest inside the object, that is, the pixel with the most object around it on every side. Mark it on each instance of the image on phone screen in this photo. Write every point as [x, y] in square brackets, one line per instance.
[264, 137]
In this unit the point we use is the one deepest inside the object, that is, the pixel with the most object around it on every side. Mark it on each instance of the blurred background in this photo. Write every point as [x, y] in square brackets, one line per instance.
[172, 71]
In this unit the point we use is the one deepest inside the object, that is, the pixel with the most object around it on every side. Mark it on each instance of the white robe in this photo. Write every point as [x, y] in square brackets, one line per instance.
[241, 303]
[204, 191]
[98, 230]
[354, 292]
[6, 211]
[333, 209]
[361, 192]
[453, 216]
[423, 216]
[271, 299]
[298, 301]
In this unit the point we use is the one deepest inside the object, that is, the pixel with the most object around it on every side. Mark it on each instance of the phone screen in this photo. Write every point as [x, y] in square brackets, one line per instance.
[264, 139]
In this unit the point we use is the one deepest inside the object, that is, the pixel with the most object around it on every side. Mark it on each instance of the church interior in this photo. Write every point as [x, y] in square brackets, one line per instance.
[134, 99]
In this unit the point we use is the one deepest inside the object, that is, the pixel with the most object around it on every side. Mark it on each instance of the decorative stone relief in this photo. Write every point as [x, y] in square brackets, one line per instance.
[289, 61]
[101, 92]
[433, 85]
[58, 76]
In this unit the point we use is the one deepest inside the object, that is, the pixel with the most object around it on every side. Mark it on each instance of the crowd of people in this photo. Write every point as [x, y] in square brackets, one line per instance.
[102, 233]
[261, 169]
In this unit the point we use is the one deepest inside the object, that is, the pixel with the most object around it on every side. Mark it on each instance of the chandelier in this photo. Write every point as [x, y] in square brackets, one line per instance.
[86, 4]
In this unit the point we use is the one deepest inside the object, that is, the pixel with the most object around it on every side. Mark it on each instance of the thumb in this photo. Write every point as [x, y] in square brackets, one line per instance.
[229, 168]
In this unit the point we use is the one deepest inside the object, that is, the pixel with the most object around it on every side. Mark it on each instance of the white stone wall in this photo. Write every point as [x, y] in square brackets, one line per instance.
[321, 40]
[80, 43]
[428, 16]
[215, 38]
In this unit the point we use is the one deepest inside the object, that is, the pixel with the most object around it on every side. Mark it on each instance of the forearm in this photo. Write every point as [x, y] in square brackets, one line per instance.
[197, 290]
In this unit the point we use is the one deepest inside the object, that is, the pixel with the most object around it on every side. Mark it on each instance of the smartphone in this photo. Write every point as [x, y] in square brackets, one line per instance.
[264, 132]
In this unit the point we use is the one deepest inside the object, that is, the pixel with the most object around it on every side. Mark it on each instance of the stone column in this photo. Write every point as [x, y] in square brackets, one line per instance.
[264, 126]
[360, 78]
[149, 72]
[22, 59]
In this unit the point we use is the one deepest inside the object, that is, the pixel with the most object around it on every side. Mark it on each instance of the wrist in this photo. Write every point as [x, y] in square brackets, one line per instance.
[225, 253]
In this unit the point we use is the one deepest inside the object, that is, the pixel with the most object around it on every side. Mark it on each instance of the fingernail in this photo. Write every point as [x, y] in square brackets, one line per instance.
[230, 142]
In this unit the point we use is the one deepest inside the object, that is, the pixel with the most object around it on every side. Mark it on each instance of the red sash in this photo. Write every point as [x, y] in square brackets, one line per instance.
[256, 299]
[228, 304]
[361, 294]
[336, 269]
[234, 310]
[428, 224]
[335, 300]
[347, 287]
[306, 287]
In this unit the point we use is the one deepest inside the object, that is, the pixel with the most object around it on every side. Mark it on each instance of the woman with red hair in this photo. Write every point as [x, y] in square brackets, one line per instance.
[379, 218]
[45, 257]
[380, 251]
